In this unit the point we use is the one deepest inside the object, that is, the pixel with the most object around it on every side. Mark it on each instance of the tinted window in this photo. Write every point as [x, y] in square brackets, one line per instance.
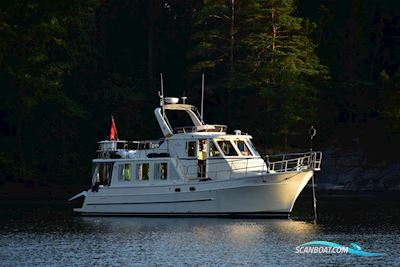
[125, 172]
[191, 149]
[143, 171]
[213, 151]
[161, 171]
[227, 148]
[105, 173]
[243, 148]
[252, 147]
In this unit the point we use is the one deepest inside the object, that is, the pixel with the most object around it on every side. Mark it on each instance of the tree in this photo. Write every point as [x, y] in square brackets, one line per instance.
[272, 54]
[42, 44]
[214, 40]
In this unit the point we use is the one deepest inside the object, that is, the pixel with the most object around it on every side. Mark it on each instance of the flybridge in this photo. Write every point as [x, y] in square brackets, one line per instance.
[172, 103]
[198, 123]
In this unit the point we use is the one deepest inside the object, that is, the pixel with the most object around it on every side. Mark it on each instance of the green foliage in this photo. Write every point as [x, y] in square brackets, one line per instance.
[211, 39]
[66, 66]
[41, 44]
[274, 56]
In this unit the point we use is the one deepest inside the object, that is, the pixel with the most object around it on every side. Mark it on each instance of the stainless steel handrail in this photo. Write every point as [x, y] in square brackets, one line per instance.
[295, 161]
[287, 163]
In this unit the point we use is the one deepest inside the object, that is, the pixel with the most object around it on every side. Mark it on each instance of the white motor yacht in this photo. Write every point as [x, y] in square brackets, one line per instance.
[198, 170]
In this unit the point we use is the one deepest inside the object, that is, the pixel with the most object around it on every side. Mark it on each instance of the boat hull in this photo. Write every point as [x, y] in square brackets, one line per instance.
[269, 195]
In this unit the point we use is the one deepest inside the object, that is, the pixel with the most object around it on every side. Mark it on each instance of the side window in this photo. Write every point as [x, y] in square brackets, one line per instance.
[161, 171]
[191, 149]
[227, 148]
[253, 148]
[105, 173]
[213, 150]
[142, 171]
[125, 172]
[243, 148]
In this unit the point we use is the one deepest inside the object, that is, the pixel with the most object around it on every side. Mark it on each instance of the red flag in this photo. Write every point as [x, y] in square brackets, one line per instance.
[113, 130]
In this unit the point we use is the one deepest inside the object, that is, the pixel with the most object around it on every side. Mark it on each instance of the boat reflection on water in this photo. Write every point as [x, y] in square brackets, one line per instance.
[42, 236]
[240, 230]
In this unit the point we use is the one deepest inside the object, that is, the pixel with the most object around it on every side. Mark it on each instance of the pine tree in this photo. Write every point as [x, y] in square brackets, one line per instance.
[213, 37]
[273, 54]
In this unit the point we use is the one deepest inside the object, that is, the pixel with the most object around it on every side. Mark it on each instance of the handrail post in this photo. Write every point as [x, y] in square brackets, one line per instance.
[262, 170]
[230, 170]
[247, 163]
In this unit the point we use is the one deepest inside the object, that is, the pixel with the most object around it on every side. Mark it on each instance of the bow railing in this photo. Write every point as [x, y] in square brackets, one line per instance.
[294, 162]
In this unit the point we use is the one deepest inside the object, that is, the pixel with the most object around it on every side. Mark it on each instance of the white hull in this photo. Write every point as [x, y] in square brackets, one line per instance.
[270, 194]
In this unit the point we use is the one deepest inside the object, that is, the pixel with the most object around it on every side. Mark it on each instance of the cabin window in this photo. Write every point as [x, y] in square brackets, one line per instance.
[243, 148]
[255, 153]
[125, 172]
[213, 150]
[227, 148]
[143, 171]
[102, 174]
[191, 149]
[161, 171]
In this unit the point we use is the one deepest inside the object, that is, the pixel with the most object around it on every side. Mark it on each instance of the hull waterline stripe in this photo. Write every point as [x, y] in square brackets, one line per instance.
[271, 214]
[153, 202]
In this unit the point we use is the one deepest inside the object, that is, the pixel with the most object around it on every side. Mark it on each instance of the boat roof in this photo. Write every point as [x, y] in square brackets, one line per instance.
[179, 107]
[209, 135]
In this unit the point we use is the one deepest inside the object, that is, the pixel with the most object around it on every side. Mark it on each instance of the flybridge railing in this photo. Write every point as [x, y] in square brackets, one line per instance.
[123, 145]
[202, 128]
[294, 162]
[108, 148]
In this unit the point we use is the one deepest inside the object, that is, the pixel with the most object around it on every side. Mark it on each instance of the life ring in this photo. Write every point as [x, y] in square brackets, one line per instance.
[106, 155]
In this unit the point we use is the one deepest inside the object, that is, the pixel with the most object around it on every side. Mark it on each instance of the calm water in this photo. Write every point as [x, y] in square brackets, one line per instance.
[35, 233]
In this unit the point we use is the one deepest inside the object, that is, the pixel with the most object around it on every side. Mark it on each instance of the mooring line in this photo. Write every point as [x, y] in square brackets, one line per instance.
[314, 199]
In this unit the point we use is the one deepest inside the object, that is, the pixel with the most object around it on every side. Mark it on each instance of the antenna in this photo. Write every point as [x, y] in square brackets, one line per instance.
[162, 103]
[184, 97]
[202, 96]
[162, 89]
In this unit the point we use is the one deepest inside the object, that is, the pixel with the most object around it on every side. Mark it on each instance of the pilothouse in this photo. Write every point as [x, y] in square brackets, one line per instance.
[198, 169]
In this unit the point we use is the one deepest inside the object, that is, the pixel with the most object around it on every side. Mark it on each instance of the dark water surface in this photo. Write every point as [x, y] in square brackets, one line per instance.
[43, 233]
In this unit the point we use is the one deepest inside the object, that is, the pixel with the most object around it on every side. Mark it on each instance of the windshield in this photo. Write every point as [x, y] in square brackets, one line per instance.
[213, 150]
[255, 153]
[227, 148]
[243, 148]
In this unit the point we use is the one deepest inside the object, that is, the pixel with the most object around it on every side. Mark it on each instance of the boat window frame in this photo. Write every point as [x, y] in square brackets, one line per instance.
[223, 155]
[195, 148]
[139, 171]
[157, 171]
[253, 148]
[97, 175]
[213, 141]
[121, 169]
[235, 141]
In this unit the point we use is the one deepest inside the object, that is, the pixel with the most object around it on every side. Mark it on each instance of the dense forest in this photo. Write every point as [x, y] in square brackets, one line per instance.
[272, 68]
